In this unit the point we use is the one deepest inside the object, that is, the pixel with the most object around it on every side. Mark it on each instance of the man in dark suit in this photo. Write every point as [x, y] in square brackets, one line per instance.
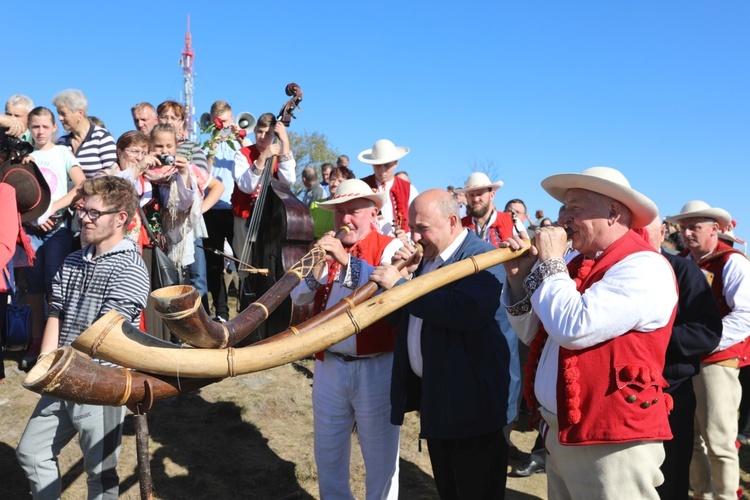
[452, 359]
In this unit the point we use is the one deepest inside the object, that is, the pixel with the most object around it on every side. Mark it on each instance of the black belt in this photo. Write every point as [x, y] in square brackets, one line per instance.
[349, 358]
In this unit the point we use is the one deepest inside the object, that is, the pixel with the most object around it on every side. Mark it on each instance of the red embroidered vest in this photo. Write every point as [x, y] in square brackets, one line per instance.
[399, 196]
[611, 392]
[714, 263]
[499, 231]
[380, 336]
[242, 202]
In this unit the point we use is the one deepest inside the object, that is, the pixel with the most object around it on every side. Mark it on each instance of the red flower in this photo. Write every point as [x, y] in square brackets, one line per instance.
[218, 123]
[242, 133]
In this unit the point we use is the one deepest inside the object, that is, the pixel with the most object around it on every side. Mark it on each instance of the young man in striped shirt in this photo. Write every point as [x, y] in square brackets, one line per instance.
[108, 273]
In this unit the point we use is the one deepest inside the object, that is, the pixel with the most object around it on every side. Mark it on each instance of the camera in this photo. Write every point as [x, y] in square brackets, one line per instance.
[166, 160]
[10, 143]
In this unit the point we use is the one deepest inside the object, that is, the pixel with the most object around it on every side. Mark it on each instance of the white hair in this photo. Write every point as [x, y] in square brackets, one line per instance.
[16, 99]
[73, 99]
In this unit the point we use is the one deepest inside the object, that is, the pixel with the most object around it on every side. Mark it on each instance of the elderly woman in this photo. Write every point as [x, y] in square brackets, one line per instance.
[323, 219]
[93, 146]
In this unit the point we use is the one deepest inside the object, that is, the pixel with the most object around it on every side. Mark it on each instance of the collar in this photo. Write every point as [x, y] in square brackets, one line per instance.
[449, 250]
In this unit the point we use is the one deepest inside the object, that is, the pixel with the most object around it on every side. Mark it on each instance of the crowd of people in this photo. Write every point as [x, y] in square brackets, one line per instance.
[623, 336]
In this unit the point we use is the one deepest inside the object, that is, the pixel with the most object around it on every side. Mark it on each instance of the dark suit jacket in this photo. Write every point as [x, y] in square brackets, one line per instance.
[465, 380]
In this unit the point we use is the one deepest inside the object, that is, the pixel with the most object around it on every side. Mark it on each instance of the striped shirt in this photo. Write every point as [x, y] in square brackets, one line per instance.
[96, 152]
[88, 286]
[193, 153]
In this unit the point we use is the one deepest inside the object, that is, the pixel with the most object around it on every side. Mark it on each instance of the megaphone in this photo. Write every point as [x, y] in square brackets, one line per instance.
[246, 121]
[205, 121]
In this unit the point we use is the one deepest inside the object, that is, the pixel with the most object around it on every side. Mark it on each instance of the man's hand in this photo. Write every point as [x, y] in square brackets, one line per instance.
[334, 248]
[280, 130]
[272, 150]
[519, 268]
[385, 275]
[14, 125]
[401, 235]
[405, 253]
[550, 242]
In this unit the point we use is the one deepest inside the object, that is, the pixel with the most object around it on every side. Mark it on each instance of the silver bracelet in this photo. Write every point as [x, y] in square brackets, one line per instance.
[546, 269]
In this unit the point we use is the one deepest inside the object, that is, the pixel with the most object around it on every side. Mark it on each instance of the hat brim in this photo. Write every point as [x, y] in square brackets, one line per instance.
[494, 186]
[378, 198]
[44, 196]
[366, 156]
[721, 216]
[643, 209]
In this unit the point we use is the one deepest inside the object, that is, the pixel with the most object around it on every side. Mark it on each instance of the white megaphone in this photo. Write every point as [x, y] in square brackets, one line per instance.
[205, 121]
[246, 121]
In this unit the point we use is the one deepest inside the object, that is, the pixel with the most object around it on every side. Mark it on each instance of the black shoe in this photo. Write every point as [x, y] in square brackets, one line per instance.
[530, 467]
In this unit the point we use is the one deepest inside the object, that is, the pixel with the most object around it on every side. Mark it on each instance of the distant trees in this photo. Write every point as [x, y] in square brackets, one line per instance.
[310, 150]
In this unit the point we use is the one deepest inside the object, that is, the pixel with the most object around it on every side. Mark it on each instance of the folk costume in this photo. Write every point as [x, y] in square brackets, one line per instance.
[453, 363]
[499, 227]
[353, 377]
[598, 329]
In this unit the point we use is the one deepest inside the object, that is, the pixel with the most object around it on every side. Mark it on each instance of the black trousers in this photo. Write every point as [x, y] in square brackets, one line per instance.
[744, 421]
[220, 225]
[679, 450]
[470, 468]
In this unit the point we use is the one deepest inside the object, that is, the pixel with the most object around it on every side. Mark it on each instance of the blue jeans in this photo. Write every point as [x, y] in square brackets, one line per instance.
[198, 272]
[51, 250]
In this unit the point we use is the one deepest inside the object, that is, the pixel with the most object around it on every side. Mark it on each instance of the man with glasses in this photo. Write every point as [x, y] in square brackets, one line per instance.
[715, 466]
[108, 273]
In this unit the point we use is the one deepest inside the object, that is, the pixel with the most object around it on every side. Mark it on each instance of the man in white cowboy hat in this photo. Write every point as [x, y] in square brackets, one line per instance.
[353, 377]
[598, 323]
[715, 467]
[384, 157]
[482, 217]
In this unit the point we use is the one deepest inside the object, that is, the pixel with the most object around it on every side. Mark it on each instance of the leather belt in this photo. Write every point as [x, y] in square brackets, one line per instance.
[730, 363]
[349, 358]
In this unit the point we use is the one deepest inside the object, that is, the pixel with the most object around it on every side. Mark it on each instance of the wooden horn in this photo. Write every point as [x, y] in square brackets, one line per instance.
[72, 376]
[179, 307]
[112, 339]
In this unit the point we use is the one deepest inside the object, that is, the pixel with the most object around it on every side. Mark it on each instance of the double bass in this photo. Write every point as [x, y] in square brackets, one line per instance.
[279, 234]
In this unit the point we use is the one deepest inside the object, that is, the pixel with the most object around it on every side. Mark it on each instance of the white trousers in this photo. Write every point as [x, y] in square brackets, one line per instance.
[716, 465]
[348, 392]
[601, 471]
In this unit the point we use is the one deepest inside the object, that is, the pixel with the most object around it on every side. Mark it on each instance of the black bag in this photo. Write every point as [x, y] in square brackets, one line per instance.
[164, 271]
[17, 335]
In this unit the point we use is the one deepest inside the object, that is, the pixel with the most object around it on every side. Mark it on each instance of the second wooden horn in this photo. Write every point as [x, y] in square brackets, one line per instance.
[179, 307]
[112, 339]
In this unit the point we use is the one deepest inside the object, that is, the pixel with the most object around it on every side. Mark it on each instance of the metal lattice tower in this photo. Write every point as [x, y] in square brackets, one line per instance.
[188, 76]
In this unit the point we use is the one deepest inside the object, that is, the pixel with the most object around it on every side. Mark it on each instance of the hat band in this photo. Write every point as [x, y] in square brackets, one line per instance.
[39, 191]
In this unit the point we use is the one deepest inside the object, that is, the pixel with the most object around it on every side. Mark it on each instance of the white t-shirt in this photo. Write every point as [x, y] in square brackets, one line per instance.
[55, 165]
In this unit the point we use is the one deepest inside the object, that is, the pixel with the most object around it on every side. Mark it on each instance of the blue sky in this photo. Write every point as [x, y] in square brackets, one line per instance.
[658, 90]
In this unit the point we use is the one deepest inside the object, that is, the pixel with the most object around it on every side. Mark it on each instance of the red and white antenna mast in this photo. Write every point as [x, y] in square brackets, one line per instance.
[188, 76]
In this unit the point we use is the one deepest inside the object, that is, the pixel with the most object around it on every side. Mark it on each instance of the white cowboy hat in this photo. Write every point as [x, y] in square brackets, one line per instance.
[697, 208]
[383, 152]
[728, 235]
[478, 180]
[352, 189]
[609, 182]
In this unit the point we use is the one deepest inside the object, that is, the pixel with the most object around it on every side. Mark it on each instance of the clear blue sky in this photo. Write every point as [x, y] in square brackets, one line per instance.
[658, 90]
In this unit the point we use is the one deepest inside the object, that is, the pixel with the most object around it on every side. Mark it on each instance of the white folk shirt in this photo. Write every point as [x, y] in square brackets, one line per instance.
[247, 180]
[638, 293]
[347, 282]
[736, 279]
[414, 330]
[386, 218]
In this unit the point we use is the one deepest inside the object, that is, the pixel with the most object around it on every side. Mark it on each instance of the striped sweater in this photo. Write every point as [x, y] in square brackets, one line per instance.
[88, 286]
[96, 152]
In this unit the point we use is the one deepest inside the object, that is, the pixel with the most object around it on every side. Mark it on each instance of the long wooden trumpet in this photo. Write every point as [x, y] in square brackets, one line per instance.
[179, 307]
[112, 339]
[71, 375]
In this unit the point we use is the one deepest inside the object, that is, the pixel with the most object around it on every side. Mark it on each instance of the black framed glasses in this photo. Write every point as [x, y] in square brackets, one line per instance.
[94, 214]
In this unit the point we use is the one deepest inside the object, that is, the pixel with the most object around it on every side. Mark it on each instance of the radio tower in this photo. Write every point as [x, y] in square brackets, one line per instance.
[188, 75]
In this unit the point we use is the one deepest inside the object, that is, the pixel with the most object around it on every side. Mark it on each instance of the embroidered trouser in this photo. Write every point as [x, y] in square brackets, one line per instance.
[601, 471]
[52, 425]
[715, 464]
[345, 393]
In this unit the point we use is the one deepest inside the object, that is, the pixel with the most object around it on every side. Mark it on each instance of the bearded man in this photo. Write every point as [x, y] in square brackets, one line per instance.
[482, 217]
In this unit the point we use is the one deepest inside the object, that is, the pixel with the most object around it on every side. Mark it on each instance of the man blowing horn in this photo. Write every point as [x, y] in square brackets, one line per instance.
[353, 377]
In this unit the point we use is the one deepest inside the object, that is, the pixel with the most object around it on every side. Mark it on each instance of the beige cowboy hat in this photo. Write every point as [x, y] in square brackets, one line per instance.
[32, 190]
[697, 208]
[728, 235]
[478, 180]
[609, 182]
[352, 189]
[382, 152]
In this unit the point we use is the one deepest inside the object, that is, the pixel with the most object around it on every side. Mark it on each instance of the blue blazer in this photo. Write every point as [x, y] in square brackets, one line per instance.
[465, 389]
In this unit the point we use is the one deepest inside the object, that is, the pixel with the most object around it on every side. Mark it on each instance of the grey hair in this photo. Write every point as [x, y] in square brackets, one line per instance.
[73, 99]
[16, 99]
[447, 206]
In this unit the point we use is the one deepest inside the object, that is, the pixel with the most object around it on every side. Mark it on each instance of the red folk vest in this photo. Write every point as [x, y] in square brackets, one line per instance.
[611, 392]
[714, 263]
[399, 196]
[499, 231]
[380, 336]
[242, 202]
